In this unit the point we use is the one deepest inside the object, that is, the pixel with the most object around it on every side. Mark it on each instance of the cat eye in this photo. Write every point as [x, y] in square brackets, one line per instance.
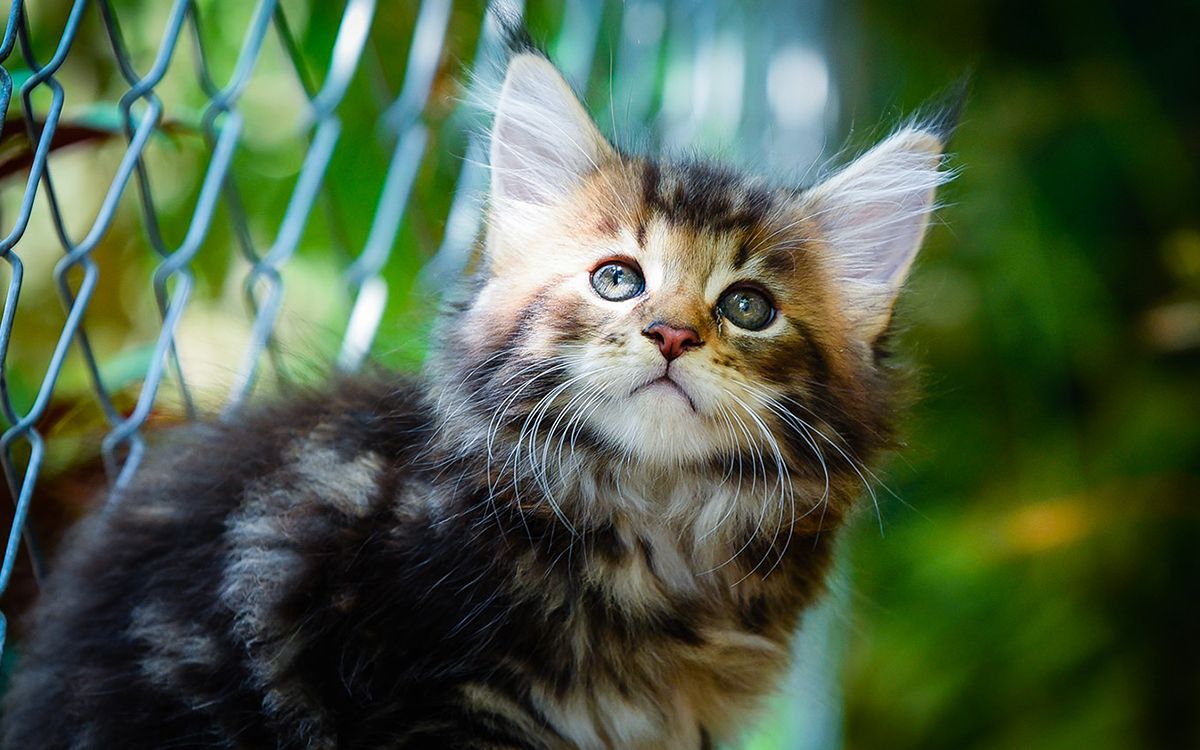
[616, 280]
[746, 307]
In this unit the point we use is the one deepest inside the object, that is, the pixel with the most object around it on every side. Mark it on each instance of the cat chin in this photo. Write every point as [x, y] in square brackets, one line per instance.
[665, 393]
[661, 425]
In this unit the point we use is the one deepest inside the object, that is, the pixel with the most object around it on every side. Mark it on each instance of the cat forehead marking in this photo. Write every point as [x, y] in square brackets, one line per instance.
[699, 217]
[704, 197]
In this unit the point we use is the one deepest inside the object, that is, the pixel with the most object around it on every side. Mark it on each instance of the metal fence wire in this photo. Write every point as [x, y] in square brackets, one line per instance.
[749, 77]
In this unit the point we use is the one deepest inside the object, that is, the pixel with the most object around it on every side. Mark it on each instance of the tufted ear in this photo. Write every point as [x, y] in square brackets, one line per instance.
[872, 216]
[543, 142]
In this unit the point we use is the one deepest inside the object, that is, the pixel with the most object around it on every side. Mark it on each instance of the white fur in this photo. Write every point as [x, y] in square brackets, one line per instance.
[873, 215]
[543, 142]
[172, 646]
[347, 484]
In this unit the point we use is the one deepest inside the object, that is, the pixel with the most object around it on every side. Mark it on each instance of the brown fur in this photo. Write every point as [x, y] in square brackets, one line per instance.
[561, 536]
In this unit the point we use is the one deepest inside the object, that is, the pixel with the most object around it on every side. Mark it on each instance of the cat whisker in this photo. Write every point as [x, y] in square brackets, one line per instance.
[531, 427]
[731, 504]
[759, 462]
[859, 467]
[494, 426]
[783, 478]
[801, 427]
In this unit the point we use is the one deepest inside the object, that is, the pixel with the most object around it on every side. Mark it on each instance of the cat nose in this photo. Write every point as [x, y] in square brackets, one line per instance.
[672, 341]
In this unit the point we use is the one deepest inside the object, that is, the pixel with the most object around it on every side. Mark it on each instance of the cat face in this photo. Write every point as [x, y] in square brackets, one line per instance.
[675, 313]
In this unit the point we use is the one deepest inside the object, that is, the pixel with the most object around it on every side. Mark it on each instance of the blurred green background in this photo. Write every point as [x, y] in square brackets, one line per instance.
[1037, 580]
[1043, 591]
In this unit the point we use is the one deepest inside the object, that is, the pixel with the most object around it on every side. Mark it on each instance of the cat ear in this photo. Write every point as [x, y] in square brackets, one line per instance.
[872, 216]
[543, 142]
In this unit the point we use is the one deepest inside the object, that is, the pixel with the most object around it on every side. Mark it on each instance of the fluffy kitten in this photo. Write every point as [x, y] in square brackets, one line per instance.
[593, 522]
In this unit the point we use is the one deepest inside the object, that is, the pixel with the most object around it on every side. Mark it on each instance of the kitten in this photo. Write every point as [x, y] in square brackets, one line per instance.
[595, 520]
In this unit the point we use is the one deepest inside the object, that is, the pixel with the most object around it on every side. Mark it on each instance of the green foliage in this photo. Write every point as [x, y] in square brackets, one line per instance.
[1039, 587]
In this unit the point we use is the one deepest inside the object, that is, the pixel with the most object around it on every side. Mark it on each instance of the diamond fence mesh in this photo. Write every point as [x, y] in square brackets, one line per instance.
[159, 161]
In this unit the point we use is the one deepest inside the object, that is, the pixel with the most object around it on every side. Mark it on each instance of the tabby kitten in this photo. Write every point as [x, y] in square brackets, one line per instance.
[592, 523]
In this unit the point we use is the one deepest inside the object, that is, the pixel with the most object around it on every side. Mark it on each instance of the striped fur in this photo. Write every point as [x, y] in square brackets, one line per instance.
[534, 544]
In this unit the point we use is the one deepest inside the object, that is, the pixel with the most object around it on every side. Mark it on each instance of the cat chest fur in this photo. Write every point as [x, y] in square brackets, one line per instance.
[627, 633]
[654, 651]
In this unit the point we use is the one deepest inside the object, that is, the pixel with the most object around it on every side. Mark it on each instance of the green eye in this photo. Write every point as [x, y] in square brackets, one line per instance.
[616, 281]
[747, 308]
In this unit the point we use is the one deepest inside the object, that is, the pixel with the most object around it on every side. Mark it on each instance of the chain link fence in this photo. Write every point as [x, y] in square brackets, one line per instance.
[311, 159]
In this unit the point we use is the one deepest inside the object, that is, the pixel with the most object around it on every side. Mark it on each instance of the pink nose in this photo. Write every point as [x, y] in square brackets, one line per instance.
[672, 341]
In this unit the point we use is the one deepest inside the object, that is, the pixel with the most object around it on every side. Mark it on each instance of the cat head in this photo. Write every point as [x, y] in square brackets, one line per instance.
[675, 313]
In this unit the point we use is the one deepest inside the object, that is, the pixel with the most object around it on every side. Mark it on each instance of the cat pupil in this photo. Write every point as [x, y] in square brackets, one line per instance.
[616, 282]
[747, 309]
